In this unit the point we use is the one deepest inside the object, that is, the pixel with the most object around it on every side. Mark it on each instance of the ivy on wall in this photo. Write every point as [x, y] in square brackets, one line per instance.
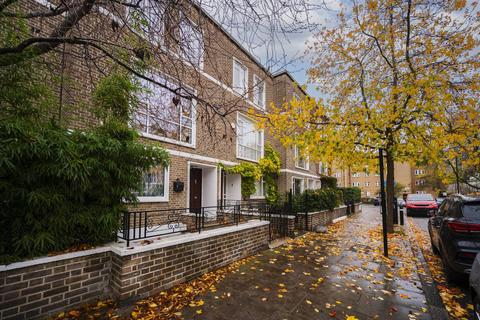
[268, 167]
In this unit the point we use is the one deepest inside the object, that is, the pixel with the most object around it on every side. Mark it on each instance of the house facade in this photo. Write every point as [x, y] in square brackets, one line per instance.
[297, 173]
[199, 134]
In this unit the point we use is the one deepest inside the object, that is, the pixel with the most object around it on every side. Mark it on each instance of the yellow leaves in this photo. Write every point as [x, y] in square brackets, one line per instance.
[308, 301]
[199, 311]
[459, 4]
[351, 318]
[372, 5]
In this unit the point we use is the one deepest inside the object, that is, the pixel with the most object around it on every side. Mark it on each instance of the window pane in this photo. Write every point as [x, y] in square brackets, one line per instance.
[186, 135]
[163, 128]
[163, 113]
[249, 139]
[153, 183]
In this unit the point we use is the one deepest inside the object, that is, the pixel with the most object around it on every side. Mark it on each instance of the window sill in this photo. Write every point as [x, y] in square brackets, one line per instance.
[246, 159]
[257, 197]
[152, 199]
[306, 169]
[168, 140]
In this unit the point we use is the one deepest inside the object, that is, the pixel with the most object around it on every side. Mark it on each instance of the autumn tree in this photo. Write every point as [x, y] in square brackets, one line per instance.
[393, 74]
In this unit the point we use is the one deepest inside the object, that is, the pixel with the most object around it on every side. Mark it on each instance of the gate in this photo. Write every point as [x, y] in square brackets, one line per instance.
[278, 216]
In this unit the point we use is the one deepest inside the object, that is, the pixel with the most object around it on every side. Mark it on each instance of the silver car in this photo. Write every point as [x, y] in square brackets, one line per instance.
[475, 286]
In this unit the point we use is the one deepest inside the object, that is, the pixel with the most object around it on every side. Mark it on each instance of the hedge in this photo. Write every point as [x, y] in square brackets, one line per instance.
[351, 194]
[317, 200]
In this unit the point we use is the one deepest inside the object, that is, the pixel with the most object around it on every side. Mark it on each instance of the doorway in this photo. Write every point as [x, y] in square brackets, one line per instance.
[195, 189]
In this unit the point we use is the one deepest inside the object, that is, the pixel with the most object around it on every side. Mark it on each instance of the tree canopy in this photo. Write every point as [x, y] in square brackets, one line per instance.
[397, 75]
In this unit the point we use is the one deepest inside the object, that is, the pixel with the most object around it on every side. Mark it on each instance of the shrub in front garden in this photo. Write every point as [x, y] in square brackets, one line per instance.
[62, 187]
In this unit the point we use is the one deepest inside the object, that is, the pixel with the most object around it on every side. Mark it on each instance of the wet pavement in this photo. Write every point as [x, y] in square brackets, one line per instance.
[322, 276]
[461, 287]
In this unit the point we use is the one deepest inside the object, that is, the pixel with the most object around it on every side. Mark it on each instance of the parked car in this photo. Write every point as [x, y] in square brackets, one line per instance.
[377, 201]
[420, 204]
[455, 234]
[440, 200]
[475, 286]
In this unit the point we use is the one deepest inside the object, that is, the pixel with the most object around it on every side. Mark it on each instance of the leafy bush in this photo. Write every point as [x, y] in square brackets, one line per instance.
[316, 200]
[351, 194]
[61, 187]
[328, 182]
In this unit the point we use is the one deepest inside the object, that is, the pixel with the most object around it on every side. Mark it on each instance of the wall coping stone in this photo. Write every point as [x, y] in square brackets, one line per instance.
[123, 251]
[48, 259]
[322, 211]
[186, 237]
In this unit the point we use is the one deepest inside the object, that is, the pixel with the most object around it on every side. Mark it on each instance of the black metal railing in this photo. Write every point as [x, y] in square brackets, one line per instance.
[144, 224]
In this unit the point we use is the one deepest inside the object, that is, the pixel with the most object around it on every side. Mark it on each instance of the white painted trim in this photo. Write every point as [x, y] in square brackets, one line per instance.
[292, 184]
[244, 94]
[199, 157]
[297, 158]
[262, 151]
[300, 173]
[168, 140]
[264, 97]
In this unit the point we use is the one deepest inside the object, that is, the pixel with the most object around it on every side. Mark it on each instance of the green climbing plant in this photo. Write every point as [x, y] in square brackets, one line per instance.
[268, 167]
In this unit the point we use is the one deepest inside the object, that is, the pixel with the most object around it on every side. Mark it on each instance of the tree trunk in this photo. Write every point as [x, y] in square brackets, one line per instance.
[390, 190]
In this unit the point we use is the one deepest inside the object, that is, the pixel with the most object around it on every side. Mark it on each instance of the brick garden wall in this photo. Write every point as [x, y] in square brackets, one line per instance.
[27, 293]
[45, 286]
[322, 218]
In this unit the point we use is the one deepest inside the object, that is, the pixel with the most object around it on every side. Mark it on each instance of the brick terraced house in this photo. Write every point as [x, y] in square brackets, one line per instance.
[193, 54]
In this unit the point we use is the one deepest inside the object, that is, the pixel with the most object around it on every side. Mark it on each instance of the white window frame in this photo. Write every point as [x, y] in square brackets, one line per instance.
[261, 132]
[257, 84]
[420, 182]
[355, 175]
[297, 160]
[302, 186]
[192, 143]
[310, 184]
[355, 184]
[240, 90]
[165, 197]
[261, 183]
[419, 172]
[367, 184]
